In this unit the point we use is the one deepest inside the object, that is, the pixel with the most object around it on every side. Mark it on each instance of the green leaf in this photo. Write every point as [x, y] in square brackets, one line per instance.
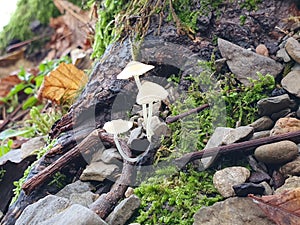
[28, 90]
[9, 133]
[31, 101]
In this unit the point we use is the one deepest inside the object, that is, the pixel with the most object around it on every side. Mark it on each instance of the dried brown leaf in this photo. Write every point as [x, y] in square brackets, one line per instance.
[283, 209]
[7, 83]
[63, 83]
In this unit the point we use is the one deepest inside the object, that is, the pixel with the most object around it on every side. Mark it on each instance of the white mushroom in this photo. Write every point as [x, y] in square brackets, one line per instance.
[134, 69]
[149, 93]
[116, 127]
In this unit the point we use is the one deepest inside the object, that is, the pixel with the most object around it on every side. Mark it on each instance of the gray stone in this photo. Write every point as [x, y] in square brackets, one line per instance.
[291, 82]
[98, 171]
[1, 214]
[281, 53]
[232, 211]
[268, 189]
[76, 187]
[97, 155]
[238, 134]
[260, 134]
[111, 155]
[290, 183]
[261, 124]
[124, 210]
[15, 155]
[42, 210]
[138, 140]
[280, 114]
[33, 144]
[298, 113]
[85, 199]
[292, 47]
[215, 140]
[159, 128]
[268, 106]
[224, 179]
[241, 62]
[296, 67]
[291, 168]
[57, 210]
[276, 153]
[76, 215]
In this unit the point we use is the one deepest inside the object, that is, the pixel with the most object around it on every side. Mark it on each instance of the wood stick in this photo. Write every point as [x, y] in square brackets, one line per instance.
[236, 147]
[91, 140]
[171, 119]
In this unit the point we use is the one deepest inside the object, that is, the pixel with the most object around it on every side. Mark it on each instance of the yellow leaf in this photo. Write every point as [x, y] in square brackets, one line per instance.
[63, 83]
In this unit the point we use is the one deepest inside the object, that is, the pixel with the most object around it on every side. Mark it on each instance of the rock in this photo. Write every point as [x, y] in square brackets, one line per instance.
[290, 183]
[224, 179]
[268, 189]
[285, 125]
[32, 145]
[258, 177]
[291, 82]
[292, 47]
[281, 53]
[97, 155]
[138, 140]
[159, 128]
[291, 168]
[242, 190]
[57, 210]
[281, 113]
[261, 49]
[85, 199]
[1, 215]
[129, 192]
[98, 171]
[241, 62]
[111, 155]
[232, 211]
[238, 134]
[262, 124]
[296, 67]
[298, 113]
[215, 140]
[124, 210]
[260, 134]
[268, 106]
[15, 156]
[276, 153]
[76, 187]
[277, 179]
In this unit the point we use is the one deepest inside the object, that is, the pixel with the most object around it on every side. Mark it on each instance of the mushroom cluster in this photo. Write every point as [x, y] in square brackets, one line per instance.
[149, 93]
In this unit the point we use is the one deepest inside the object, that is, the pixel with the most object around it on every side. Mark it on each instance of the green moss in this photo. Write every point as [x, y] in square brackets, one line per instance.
[174, 200]
[27, 11]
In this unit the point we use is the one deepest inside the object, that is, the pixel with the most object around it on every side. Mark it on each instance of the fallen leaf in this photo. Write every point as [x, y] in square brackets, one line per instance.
[63, 83]
[7, 83]
[283, 209]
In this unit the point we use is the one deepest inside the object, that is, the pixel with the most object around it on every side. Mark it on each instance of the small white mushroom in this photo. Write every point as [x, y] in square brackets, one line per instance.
[134, 69]
[149, 93]
[116, 127]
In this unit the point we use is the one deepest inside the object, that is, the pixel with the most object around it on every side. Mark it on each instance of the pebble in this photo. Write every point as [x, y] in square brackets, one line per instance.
[258, 177]
[242, 61]
[232, 211]
[242, 190]
[276, 153]
[98, 171]
[261, 49]
[281, 113]
[292, 47]
[277, 179]
[291, 168]
[298, 113]
[291, 82]
[238, 134]
[261, 124]
[260, 134]
[285, 125]
[268, 106]
[268, 189]
[110, 155]
[281, 53]
[290, 183]
[224, 179]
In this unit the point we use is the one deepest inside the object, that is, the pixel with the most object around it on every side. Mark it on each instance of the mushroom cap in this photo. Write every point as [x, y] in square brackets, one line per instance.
[151, 92]
[117, 126]
[134, 68]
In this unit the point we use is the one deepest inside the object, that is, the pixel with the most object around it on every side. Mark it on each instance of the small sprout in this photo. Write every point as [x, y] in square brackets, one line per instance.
[149, 93]
[116, 127]
[135, 69]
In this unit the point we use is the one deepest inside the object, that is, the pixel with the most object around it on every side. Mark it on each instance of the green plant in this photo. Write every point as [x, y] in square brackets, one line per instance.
[5, 148]
[243, 19]
[175, 199]
[58, 180]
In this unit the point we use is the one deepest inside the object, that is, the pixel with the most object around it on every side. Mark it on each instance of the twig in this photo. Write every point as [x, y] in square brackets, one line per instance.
[171, 119]
[9, 117]
[236, 147]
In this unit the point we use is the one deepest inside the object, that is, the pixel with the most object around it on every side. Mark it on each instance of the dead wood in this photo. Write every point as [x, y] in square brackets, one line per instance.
[245, 146]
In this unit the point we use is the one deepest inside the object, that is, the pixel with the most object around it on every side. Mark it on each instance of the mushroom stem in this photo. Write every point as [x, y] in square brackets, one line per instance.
[145, 114]
[137, 81]
[122, 153]
[148, 130]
